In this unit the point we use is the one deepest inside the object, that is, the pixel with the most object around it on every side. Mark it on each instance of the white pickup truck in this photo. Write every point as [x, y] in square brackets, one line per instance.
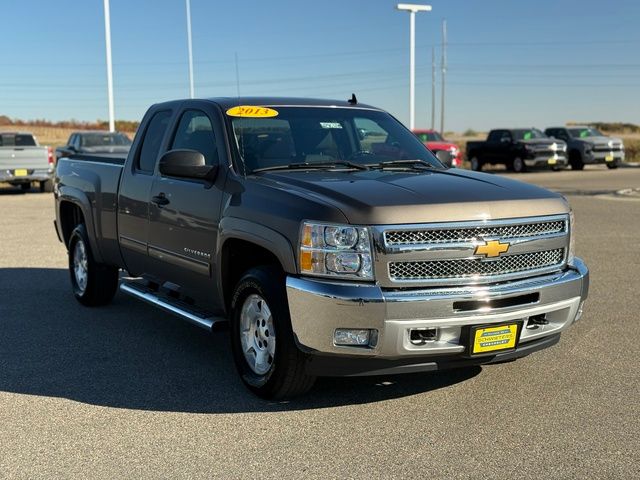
[23, 161]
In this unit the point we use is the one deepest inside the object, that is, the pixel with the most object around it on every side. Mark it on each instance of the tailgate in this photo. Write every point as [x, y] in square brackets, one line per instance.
[29, 158]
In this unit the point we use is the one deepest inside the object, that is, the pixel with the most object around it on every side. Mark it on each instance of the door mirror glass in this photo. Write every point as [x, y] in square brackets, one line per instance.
[187, 164]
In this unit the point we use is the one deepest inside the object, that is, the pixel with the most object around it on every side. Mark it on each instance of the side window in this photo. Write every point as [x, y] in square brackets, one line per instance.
[152, 140]
[506, 137]
[494, 136]
[195, 132]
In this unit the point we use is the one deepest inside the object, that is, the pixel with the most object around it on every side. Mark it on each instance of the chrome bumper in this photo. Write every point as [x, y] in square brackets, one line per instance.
[35, 176]
[601, 156]
[319, 307]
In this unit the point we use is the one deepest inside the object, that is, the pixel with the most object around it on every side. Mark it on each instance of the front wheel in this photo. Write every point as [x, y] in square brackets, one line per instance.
[93, 283]
[613, 165]
[264, 351]
[518, 165]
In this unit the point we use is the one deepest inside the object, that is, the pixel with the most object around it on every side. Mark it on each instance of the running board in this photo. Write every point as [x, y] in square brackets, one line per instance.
[186, 312]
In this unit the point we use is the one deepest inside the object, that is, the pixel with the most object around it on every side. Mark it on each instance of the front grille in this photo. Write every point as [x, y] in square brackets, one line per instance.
[605, 148]
[465, 235]
[471, 268]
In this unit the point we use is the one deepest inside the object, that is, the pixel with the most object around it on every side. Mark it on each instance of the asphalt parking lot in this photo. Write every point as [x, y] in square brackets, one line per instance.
[126, 391]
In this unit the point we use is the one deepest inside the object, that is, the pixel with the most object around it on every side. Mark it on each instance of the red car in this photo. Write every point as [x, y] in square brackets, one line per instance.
[434, 142]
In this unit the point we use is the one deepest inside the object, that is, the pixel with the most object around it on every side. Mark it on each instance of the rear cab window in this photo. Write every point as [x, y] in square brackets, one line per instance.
[17, 140]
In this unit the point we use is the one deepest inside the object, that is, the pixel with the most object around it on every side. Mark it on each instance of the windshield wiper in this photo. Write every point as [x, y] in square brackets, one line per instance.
[311, 165]
[415, 163]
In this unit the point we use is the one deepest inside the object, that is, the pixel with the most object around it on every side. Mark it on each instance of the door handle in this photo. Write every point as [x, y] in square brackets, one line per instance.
[160, 200]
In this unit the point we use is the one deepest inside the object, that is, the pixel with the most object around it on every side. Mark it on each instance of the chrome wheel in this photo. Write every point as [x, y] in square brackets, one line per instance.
[257, 334]
[80, 266]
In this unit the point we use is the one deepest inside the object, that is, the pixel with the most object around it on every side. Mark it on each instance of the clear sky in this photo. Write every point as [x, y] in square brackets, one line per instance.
[511, 62]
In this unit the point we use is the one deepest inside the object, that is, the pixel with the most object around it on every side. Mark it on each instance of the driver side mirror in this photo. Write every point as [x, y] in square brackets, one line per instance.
[187, 164]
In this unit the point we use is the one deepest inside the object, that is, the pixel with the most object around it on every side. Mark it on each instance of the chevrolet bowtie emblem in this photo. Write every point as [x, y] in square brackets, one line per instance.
[492, 249]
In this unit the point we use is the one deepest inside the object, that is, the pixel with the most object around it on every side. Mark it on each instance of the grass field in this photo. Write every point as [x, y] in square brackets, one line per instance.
[50, 136]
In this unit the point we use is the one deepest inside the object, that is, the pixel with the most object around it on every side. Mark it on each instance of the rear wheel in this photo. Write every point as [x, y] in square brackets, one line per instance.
[93, 283]
[25, 186]
[46, 186]
[266, 356]
[476, 164]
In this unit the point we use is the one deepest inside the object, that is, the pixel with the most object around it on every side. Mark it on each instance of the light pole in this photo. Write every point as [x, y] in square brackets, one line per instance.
[107, 38]
[412, 9]
[190, 48]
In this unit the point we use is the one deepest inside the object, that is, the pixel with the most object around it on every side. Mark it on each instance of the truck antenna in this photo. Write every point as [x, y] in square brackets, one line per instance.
[353, 100]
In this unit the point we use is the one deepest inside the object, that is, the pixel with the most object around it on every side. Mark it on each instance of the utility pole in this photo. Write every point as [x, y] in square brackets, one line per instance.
[191, 94]
[107, 38]
[433, 88]
[412, 9]
[444, 72]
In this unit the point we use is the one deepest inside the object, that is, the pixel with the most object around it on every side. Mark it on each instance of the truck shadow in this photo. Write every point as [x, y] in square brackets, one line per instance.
[129, 355]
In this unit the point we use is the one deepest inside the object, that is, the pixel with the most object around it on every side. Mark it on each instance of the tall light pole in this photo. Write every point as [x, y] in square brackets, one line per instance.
[107, 37]
[190, 48]
[412, 9]
[433, 88]
[444, 73]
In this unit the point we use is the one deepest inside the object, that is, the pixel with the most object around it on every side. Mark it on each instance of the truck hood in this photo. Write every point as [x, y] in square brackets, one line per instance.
[378, 197]
[542, 142]
[107, 149]
[440, 145]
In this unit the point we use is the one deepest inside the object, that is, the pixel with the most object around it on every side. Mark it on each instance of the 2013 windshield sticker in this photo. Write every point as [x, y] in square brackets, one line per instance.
[252, 111]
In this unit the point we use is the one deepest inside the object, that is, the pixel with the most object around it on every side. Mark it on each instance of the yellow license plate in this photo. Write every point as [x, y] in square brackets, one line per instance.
[20, 173]
[552, 161]
[490, 339]
[608, 158]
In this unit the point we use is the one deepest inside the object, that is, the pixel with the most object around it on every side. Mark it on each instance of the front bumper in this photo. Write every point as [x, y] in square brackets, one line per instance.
[37, 175]
[539, 161]
[319, 307]
[600, 156]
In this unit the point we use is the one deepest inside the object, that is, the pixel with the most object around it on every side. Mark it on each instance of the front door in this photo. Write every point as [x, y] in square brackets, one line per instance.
[184, 213]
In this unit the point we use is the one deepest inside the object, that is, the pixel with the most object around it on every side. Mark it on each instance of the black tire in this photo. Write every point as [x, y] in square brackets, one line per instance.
[613, 165]
[286, 376]
[518, 165]
[100, 282]
[476, 164]
[46, 186]
[25, 186]
[575, 160]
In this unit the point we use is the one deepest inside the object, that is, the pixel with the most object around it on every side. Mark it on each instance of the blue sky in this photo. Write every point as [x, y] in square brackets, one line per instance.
[511, 63]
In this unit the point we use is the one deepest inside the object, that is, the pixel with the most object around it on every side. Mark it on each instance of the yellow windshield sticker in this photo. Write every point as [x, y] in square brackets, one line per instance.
[251, 111]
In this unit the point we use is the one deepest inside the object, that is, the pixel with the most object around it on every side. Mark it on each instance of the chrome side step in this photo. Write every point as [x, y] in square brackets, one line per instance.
[186, 312]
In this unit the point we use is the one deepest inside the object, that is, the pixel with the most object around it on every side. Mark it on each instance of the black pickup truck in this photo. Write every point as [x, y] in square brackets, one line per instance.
[517, 149]
[328, 252]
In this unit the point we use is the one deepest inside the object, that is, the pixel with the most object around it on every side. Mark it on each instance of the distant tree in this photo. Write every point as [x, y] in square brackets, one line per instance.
[470, 133]
[4, 120]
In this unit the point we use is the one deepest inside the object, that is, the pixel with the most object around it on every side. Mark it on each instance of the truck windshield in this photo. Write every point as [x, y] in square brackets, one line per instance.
[584, 132]
[325, 136]
[104, 140]
[430, 137]
[527, 134]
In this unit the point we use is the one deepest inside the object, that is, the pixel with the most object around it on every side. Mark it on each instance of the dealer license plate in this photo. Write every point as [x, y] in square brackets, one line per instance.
[21, 172]
[609, 158]
[552, 161]
[494, 338]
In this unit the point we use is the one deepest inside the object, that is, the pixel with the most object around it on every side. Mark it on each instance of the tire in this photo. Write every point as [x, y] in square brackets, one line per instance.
[260, 313]
[613, 165]
[476, 165]
[93, 283]
[46, 186]
[25, 187]
[575, 160]
[518, 165]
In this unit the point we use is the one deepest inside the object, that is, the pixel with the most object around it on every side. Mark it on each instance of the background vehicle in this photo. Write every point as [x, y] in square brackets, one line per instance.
[517, 149]
[329, 252]
[95, 142]
[436, 143]
[23, 161]
[587, 145]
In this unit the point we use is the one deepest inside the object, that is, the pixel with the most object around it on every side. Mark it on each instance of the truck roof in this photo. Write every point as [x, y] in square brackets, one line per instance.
[2, 132]
[229, 102]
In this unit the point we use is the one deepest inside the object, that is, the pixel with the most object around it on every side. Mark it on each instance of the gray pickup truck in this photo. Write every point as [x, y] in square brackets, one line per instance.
[587, 146]
[23, 161]
[327, 251]
[95, 142]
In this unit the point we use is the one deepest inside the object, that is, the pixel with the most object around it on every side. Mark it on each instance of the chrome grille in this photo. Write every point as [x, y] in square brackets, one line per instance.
[463, 235]
[471, 268]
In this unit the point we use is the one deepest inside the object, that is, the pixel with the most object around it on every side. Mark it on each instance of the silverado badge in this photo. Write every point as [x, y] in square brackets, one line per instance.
[492, 249]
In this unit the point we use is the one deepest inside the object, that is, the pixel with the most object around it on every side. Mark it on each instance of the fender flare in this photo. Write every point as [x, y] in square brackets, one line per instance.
[78, 198]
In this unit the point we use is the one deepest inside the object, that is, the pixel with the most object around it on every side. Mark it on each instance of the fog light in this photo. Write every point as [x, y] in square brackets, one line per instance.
[354, 337]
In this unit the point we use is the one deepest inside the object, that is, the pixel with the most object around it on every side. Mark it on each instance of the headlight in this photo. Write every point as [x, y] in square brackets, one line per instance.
[572, 241]
[335, 251]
